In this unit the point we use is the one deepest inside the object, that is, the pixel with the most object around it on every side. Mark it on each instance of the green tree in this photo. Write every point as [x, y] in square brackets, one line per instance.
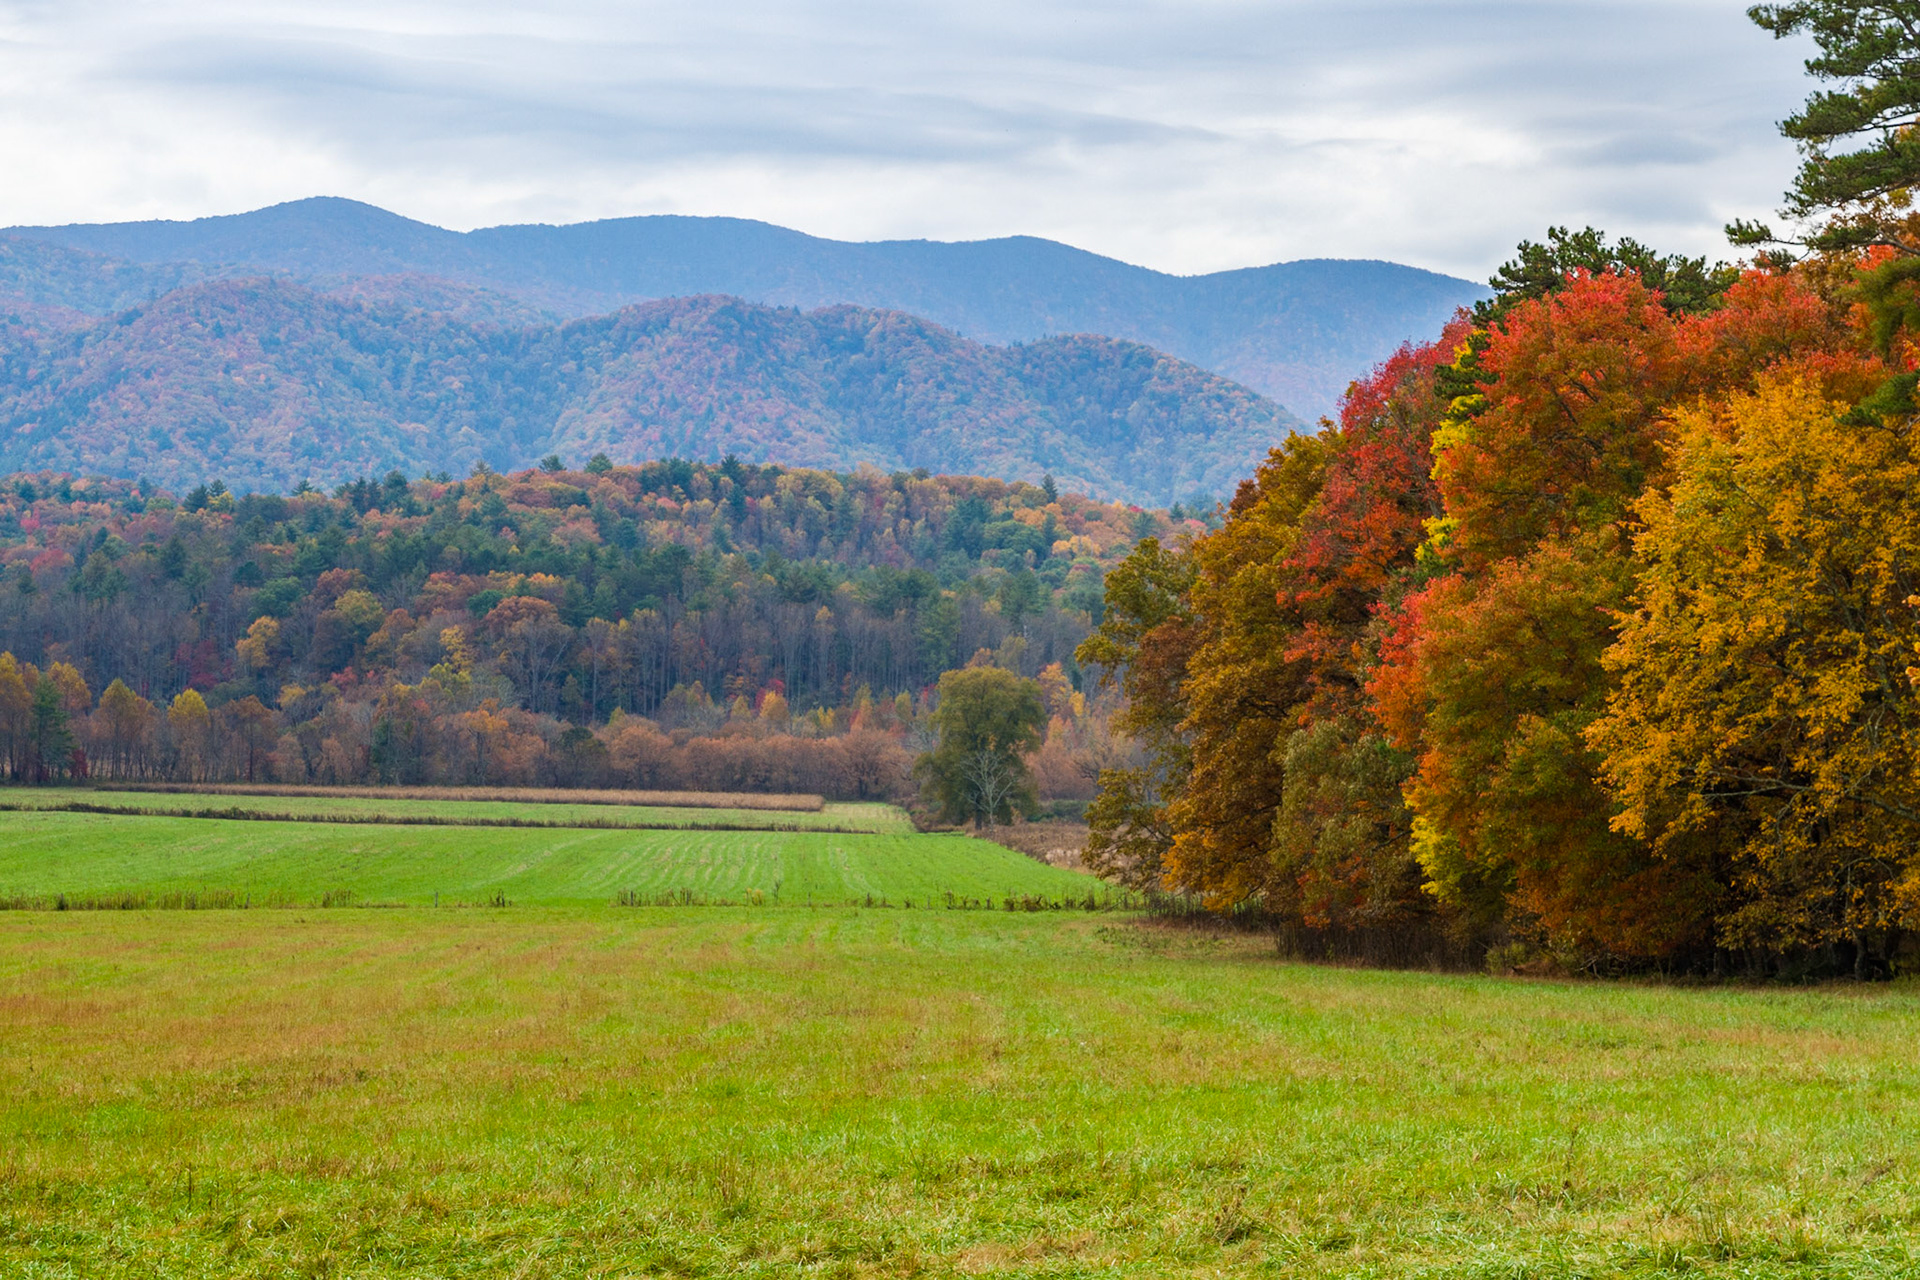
[50, 739]
[1536, 270]
[1146, 634]
[1860, 150]
[987, 722]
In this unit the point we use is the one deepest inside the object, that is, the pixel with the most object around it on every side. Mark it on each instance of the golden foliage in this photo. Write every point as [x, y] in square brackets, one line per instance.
[1765, 712]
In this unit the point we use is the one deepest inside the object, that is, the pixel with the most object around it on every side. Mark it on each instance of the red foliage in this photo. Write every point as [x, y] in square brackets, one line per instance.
[1370, 516]
[1573, 427]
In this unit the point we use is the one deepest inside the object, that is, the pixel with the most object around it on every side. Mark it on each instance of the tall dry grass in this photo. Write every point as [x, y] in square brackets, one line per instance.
[519, 795]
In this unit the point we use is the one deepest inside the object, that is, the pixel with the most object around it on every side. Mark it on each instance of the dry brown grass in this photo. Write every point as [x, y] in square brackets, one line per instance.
[1058, 844]
[517, 795]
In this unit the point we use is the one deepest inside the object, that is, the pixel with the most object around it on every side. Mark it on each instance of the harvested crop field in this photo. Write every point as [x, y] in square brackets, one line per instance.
[342, 805]
[510, 795]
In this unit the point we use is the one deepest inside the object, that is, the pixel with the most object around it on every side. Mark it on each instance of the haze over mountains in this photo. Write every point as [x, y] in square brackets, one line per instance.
[382, 338]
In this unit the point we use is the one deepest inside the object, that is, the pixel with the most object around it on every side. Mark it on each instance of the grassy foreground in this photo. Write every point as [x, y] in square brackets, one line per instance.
[889, 1093]
[82, 854]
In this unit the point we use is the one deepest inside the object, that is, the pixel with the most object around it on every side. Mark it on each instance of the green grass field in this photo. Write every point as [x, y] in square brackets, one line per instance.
[43, 854]
[839, 1092]
[878, 818]
[568, 1088]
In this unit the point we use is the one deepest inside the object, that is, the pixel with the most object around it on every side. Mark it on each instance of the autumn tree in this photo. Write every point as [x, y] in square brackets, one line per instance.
[1765, 716]
[124, 725]
[250, 728]
[1244, 686]
[1491, 671]
[1341, 837]
[16, 714]
[260, 649]
[190, 736]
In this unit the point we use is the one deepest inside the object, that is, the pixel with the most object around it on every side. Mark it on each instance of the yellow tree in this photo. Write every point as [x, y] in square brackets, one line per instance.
[75, 698]
[190, 732]
[124, 725]
[16, 709]
[259, 649]
[1764, 716]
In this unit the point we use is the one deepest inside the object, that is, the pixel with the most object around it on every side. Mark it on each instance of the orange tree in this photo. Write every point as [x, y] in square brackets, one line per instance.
[1340, 850]
[1244, 685]
[1494, 670]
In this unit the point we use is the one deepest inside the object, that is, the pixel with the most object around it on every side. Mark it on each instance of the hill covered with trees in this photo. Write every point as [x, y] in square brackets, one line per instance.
[1296, 331]
[728, 627]
[268, 383]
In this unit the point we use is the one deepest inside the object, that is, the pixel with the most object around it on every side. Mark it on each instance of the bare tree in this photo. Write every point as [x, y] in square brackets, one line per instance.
[991, 777]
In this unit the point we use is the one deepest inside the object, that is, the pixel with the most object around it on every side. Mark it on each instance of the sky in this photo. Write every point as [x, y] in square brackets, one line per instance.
[1185, 135]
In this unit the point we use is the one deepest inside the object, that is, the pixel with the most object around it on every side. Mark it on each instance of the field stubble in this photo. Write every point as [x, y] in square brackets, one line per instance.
[500, 795]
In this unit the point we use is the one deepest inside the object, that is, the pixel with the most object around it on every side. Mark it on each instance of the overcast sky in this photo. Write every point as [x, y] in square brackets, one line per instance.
[1189, 136]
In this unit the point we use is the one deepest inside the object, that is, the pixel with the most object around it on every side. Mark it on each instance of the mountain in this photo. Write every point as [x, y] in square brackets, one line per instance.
[1297, 332]
[264, 382]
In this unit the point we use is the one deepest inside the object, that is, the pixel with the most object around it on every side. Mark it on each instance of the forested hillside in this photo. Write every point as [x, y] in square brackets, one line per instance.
[267, 383]
[1297, 331]
[462, 630]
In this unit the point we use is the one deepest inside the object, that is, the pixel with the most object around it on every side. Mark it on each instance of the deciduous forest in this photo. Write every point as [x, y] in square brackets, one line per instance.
[1586, 631]
[677, 624]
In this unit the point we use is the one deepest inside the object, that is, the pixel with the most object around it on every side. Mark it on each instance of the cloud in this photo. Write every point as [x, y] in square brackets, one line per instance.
[1190, 135]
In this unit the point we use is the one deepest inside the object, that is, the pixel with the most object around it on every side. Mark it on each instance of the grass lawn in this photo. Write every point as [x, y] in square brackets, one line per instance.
[880, 818]
[839, 1092]
[93, 854]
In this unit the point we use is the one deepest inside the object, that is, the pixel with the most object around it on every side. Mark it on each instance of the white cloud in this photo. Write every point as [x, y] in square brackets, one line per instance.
[1189, 135]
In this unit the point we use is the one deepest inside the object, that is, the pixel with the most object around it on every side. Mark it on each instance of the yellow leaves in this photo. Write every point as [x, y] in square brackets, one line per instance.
[188, 712]
[361, 608]
[1766, 701]
[1913, 673]
[256, 650]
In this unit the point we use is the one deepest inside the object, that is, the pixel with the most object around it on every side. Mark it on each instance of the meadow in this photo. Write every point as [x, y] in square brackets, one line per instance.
[843, 1092]
[804, 1087]
[77, 855]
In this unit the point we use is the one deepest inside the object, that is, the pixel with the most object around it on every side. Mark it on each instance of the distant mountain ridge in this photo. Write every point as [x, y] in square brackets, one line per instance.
[264, 382]
[1297, 332]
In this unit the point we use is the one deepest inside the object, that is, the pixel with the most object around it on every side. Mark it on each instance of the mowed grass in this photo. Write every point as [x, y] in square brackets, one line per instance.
[839, 1092]
[879, 818]
[47, 854]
